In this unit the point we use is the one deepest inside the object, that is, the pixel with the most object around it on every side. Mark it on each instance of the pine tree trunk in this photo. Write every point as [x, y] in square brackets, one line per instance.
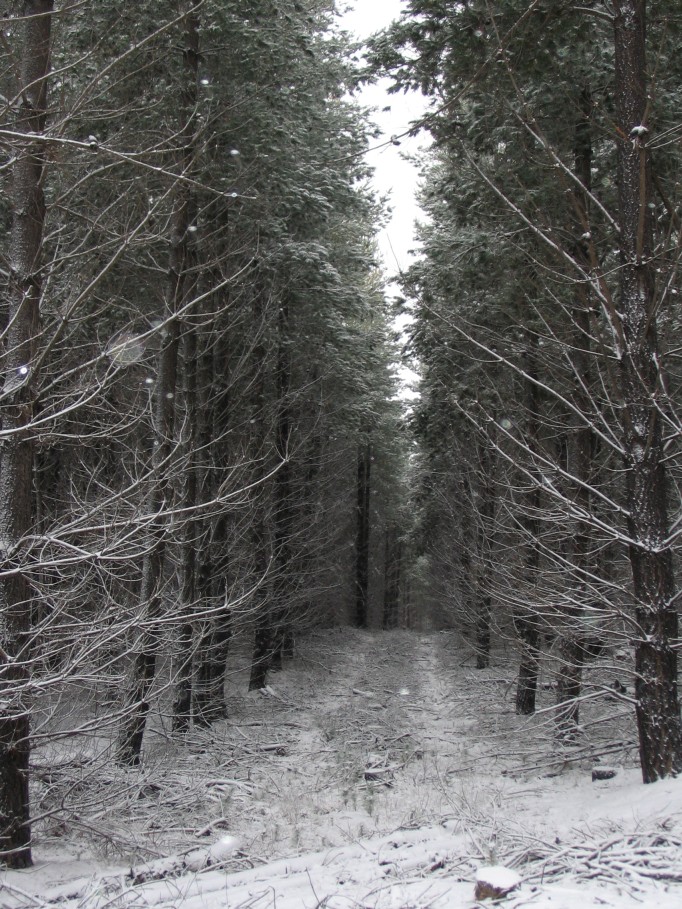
[17, 452]
[182, 706]
[392, 572]
[182, 702]
[362, 535]
[658, 708]
[263, 640]
[483, 635]
[209, 694]
[526, 623]
[214, 633]
[262, 651]
[260, 539]
[580, 446]
[144, 654]
[283, 586]
[486, 516]
[143, 668]
[310, 513]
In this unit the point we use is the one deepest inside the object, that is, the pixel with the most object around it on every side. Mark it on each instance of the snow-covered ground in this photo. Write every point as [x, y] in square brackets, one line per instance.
[379, 771]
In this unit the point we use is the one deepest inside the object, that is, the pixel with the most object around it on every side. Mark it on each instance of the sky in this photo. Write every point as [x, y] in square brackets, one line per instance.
[394, 176]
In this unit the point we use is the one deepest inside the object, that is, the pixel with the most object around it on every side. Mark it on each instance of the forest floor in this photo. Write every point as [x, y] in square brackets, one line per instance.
[379, 770]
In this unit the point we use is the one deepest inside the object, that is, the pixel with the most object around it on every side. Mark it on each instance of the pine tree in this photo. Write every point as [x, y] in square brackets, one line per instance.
[516, 175]
[20, 364]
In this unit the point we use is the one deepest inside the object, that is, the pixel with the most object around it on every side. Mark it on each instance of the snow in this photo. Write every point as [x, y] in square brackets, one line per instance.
[378, 770]
[498, 876]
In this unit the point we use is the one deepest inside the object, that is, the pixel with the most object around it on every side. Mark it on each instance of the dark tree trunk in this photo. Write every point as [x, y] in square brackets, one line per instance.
[262, 650]
[483, 635]
[527, 684]
[209, 694]
[310, 517]
[182, 706]
[145, 649]
[283, 586]
[486, 517]
[581, 443]
[215, 632]
[468, 542]
[264, 636]
[17, 452]
[392, 572]
[182, 703]
[658, 708]
[569, 682]
[526, 622]
[362, 531]
[260, 539]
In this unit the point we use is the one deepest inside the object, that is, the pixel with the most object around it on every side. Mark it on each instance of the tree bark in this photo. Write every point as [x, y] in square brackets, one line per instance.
[486, 516]
[580, 445]
[392, 572]
[17, 453]
[182, 706]
[216, 632]
[145, 651]
[642, 388]
[209, 695]
[526, 622]
[283, 586]
[260, 537]
[213, 580]
[362, 531]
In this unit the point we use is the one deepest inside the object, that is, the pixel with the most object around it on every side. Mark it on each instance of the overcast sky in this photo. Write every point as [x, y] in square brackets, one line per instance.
[394, 176]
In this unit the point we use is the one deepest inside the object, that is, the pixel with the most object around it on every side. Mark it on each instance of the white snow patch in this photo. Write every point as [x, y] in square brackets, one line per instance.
[498, 876]
[216, 854]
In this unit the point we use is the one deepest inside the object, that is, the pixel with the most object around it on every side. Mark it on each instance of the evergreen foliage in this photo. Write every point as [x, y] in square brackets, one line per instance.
[211, 349]
[542, 301]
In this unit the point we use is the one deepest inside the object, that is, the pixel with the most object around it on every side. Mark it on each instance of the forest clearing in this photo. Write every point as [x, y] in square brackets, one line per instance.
[380, 769]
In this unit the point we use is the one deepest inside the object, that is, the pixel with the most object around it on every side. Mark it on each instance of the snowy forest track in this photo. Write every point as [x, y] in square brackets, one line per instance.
[382, 760]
